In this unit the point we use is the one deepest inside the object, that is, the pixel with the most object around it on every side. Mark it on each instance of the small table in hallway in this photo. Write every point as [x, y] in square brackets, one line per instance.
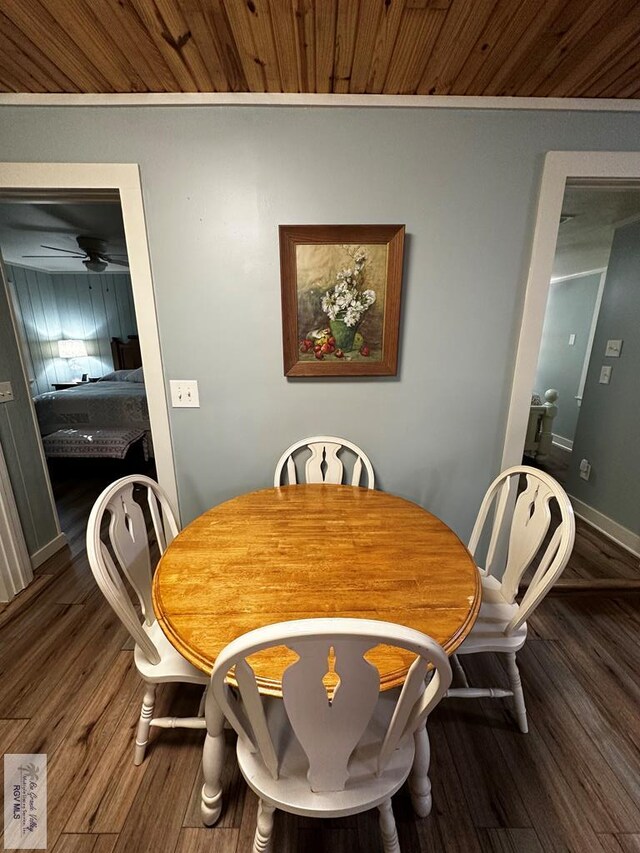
[304, 551]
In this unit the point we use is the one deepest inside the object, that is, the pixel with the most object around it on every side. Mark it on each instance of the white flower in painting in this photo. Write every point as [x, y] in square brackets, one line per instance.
[345, 301]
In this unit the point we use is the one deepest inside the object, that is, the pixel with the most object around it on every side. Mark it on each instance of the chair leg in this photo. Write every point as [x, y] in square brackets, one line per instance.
[459, 670]
[212, 763]
[203, 699]
[144, 723]
[419, 782]
[388, 829]
[518, 695]
[264, 828]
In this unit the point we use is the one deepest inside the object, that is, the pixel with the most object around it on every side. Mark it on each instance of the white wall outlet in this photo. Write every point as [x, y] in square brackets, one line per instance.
[184, 393]
[605, 374]
[6, 392]
[572, 339]
[613, 349]
[585, 469]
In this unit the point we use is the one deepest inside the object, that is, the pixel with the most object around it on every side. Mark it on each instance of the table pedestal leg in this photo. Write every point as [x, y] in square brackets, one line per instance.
[212, 762]
[419, 782]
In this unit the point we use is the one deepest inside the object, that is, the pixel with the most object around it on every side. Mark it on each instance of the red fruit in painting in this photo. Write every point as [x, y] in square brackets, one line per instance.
[325, 348]
[317, 348]
[332, 341]
[339, 353]
[364, 350]
[319, 355]
[308, 343]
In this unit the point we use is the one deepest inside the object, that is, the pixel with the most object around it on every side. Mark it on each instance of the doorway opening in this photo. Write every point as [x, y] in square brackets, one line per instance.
[84, 312]
[580, 349]
[67, 271]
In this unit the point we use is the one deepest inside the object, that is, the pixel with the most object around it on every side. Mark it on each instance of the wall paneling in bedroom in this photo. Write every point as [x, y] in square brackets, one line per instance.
[93, 307]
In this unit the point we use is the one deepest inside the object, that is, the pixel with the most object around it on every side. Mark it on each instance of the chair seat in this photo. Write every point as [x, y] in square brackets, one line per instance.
[172, 666]
[363, 790]
[487, 634]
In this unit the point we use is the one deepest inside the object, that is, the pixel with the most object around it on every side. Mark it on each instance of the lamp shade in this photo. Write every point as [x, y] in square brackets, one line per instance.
[72, 349]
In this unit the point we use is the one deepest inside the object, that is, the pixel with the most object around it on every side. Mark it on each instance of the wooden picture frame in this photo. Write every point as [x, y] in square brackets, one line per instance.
[341, 291]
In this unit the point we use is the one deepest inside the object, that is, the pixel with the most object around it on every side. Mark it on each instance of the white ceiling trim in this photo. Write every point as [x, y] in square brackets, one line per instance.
[290, 99]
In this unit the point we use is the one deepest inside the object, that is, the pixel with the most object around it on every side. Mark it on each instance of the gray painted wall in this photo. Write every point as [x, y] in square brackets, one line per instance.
[93, 307]
[608, 434]
[19, 440]
[218, 181]
[569, 311]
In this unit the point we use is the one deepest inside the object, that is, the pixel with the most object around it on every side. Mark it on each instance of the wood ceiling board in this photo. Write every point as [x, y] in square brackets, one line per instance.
[456, 39]
[325, 31]
[169, 44]
[417, 36]
[84, 29]
[252, 64]
[59, 82]
[126, 29]
[345, 44]
[524, 37]
[286, 44]
[598, 49]
[368, 24]
[39, 26]
[21, 64]
[205, 42]
[384, 50]
[566, 33]
[623, 77]
[519, 48]
[486, 47]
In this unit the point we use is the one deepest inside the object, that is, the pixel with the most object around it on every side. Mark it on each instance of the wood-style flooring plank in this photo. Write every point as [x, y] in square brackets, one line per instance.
[215, 840]
[621, 843]
[169, 778]
[9, 732]
[510, 841]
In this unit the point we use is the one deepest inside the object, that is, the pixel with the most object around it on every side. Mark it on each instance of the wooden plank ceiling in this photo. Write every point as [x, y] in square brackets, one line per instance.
[543, 48]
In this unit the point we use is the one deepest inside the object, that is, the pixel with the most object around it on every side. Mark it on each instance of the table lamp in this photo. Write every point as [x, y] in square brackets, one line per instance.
[72, 349]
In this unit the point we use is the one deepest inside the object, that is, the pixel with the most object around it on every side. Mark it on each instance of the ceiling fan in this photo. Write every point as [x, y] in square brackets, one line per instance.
[92, 253]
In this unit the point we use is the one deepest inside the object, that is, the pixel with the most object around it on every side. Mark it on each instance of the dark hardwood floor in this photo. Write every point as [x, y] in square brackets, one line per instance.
[68, 687]
[596, 562]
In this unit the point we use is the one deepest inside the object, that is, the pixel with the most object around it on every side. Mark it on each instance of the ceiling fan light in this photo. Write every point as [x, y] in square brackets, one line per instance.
[94, 265]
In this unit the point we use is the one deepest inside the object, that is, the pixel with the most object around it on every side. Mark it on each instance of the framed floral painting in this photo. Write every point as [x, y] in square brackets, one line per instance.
[341, 287]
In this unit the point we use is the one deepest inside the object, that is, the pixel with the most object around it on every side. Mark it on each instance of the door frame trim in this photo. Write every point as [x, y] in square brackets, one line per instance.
[125, 178]
[559, 166]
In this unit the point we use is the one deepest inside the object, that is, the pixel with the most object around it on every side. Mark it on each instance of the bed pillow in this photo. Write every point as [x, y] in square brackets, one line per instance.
[115, 376]
[135, 376]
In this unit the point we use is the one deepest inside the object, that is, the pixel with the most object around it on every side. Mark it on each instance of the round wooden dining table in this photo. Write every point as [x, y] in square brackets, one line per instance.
[304, 551]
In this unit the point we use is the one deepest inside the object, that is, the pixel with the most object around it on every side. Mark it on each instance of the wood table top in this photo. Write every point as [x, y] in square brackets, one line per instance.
[304, 551]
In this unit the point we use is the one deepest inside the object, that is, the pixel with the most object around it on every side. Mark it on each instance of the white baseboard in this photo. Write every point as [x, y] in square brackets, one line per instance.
[48, 550]
[627, 539]
[561, 441]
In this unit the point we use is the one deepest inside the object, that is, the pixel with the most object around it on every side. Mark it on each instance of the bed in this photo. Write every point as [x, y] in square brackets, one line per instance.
[117, 401]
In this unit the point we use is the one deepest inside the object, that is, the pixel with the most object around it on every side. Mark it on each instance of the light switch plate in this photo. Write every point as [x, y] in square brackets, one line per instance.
[184, 393]
[6, 392]
[613, 349]
[605, 374]
[572, 339]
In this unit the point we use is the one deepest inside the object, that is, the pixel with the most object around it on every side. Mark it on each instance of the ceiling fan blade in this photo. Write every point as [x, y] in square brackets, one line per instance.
[50, 256]
[68, 251]
[111, 260]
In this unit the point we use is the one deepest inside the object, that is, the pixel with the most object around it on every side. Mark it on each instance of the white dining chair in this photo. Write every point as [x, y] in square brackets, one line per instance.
[321, 752]
[123, 552]
[323, 465]
[501, 625]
